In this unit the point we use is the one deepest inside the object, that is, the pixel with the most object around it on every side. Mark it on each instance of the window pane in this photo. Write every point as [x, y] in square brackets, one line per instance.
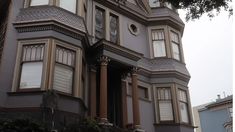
[184, 112]
[166, 113]
[159, 48]
[99, 23]
[69, 5]
[113, 28]
[176, 52]
[31, 75]
[182, 96]
[65, 56]
[33, 52]
[39, 2]
[63, 79]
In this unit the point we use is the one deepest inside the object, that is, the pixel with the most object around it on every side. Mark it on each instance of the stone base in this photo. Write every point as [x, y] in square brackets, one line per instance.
[139, 130]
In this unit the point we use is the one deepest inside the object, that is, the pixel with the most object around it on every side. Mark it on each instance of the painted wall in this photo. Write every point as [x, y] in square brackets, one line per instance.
[213, 120]
[137, 43]
[9, 53]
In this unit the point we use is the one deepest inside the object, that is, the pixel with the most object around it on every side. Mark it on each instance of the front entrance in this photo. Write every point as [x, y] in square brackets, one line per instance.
[114, 96]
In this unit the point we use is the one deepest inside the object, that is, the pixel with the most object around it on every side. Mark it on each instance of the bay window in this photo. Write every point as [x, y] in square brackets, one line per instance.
[69, 5]
[113, 28]
[175, 45]
[183, 103]
[31, 66]
[158, 41]
[164, 101]
[39, 2]
[64, 70]
[99, 23]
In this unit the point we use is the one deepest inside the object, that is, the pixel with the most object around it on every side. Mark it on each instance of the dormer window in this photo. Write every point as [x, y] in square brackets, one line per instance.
[158, 41]
[39, 2]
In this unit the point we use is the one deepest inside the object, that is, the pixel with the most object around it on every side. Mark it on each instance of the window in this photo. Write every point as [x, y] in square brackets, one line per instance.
[154, 3]
[183, 106]
[113, 28]
[159, 49]
[39, 2]
[32, 64]
[99, 23]
[230, 110]
[143, 92]
[175, 45]
[69, 5]
[64, 70]
[165, 104]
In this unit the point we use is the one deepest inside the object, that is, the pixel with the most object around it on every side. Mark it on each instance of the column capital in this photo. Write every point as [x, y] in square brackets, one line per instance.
[103, 60]
[134, 70]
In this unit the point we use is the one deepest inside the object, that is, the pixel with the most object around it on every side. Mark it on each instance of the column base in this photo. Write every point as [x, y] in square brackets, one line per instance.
[138, 130]
[104, 122]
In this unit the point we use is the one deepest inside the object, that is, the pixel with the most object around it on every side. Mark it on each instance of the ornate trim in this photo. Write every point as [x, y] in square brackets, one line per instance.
[104, 60]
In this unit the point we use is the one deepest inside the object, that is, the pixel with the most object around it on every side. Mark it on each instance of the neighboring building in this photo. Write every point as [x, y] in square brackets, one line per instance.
[215, 116]
[121, 61]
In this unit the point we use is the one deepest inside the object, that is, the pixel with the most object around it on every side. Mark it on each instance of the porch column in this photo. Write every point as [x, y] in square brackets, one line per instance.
[103, 89]
[135, 99]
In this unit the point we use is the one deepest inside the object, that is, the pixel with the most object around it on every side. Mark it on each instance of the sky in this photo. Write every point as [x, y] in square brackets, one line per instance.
[207, 45]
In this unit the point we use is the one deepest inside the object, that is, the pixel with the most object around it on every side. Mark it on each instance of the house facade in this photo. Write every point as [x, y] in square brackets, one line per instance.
[120, 61]
[215, 116]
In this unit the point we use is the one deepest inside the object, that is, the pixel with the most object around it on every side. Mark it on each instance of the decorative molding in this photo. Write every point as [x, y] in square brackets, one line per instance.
[104, 60]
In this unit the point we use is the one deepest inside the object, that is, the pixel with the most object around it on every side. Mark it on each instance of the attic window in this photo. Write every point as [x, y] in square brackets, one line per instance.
[133, 29]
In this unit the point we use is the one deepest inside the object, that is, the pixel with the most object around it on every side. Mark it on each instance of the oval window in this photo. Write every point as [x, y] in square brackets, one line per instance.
[133, 29]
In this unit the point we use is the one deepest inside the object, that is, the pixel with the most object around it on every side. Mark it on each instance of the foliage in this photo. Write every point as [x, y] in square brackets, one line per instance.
[196, 8]
[20, 125]
[84, 125]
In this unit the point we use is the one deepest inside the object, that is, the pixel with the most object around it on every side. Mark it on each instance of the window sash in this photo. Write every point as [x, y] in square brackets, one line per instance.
[69, 5]
[143, 92]
[176, 51]
[165, 104]
[159, 48]
[39, 2]
[99, 23]
[113, 28]
[63, 78]
[31, 75]
[184, 112]
[165, 110]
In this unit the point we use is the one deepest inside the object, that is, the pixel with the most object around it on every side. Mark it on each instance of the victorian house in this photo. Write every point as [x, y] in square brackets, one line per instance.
[119, 61]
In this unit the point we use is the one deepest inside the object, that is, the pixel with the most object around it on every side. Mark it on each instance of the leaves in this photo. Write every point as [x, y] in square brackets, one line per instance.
[196, 8]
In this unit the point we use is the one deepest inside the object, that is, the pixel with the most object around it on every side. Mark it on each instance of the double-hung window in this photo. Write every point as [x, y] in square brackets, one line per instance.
[175, 45]
[31, 66]
[164, 101]
[39, 2]
[70, 5]
[113, 28]
[183, 106]
[64, 70]
[99, 23]
[158, 40]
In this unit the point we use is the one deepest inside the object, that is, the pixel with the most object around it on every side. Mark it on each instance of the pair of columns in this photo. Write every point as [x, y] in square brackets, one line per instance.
[103, 93]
